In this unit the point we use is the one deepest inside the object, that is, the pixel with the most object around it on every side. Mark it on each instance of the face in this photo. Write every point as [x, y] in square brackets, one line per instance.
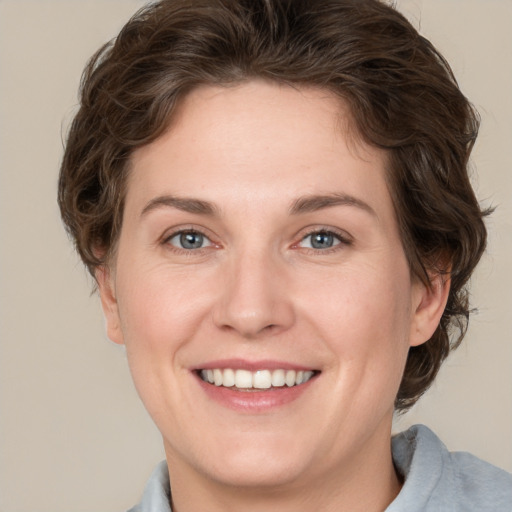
[261, 288]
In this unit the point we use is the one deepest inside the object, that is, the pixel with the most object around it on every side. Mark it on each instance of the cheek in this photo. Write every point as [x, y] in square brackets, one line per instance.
[159, 309]
[365, 319]
[384, 317]
[355, 303]
[160, 313]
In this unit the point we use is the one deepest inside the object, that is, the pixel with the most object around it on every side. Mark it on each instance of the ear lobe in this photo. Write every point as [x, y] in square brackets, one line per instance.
[109, 304]
[429, 303]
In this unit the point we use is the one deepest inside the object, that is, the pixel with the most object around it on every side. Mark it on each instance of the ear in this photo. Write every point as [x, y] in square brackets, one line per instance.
[429, 303]
[106, 287]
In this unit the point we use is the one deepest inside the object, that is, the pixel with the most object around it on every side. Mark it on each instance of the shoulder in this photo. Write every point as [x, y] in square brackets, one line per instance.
[438, 480]
[480, 484]
[157, 493]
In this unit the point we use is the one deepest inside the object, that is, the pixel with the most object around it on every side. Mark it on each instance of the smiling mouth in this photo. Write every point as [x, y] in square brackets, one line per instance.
[260, 379]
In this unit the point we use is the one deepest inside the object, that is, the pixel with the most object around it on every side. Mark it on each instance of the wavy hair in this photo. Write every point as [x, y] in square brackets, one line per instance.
[402, 97]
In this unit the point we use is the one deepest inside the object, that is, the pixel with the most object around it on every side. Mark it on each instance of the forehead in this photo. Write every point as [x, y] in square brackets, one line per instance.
[278, 141]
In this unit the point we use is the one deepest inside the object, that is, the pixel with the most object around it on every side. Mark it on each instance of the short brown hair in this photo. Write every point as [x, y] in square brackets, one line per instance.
[402, 97]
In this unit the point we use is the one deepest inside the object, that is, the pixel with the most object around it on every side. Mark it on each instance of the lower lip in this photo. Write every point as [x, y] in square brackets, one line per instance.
[254, 400]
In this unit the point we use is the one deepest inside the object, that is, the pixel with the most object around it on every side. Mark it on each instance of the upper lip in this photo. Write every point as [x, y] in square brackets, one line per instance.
[253, 366]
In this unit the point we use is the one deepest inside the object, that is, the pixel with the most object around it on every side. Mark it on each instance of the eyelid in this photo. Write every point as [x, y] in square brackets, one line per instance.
[188, 228]
[344, 238]
[179, 234]
[340, 233]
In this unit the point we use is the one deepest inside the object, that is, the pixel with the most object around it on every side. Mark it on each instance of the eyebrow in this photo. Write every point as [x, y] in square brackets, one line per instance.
[313, 203]
[305, 204]
[185, 204]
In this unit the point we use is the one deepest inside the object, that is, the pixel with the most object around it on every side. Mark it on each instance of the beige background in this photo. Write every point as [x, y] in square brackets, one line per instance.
[73, 435]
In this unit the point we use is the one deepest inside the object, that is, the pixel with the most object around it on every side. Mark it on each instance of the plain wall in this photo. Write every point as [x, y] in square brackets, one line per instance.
[73, 434]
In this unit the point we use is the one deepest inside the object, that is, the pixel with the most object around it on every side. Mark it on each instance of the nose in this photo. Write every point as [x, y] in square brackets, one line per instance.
[255, 299]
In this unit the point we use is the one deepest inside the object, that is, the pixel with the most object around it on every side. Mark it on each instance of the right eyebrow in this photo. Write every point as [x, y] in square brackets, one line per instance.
[185, 204]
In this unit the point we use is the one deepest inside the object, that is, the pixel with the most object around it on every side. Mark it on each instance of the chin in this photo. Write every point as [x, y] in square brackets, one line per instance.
[249, 470]
[246, 462]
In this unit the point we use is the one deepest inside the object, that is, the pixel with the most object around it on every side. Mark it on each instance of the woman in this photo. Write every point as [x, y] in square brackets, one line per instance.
[273, 199]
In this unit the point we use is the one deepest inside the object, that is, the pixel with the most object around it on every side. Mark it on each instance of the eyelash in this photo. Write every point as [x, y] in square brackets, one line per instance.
[181, 250]
[342, 238]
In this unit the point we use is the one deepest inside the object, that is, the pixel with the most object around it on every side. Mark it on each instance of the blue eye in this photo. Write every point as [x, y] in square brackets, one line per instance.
[189, 240]
[320, 240]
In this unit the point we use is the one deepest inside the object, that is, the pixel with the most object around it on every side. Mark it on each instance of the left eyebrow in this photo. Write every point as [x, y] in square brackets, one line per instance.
[307, 204]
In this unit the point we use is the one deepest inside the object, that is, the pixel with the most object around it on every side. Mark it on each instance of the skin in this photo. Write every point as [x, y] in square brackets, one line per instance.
[257, 290]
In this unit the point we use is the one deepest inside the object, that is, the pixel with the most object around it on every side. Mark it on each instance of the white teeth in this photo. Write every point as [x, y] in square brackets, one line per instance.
[290, 378]
[217, 377]
[278, 378]
[228, 378]
[243, 379]
[261, 379]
